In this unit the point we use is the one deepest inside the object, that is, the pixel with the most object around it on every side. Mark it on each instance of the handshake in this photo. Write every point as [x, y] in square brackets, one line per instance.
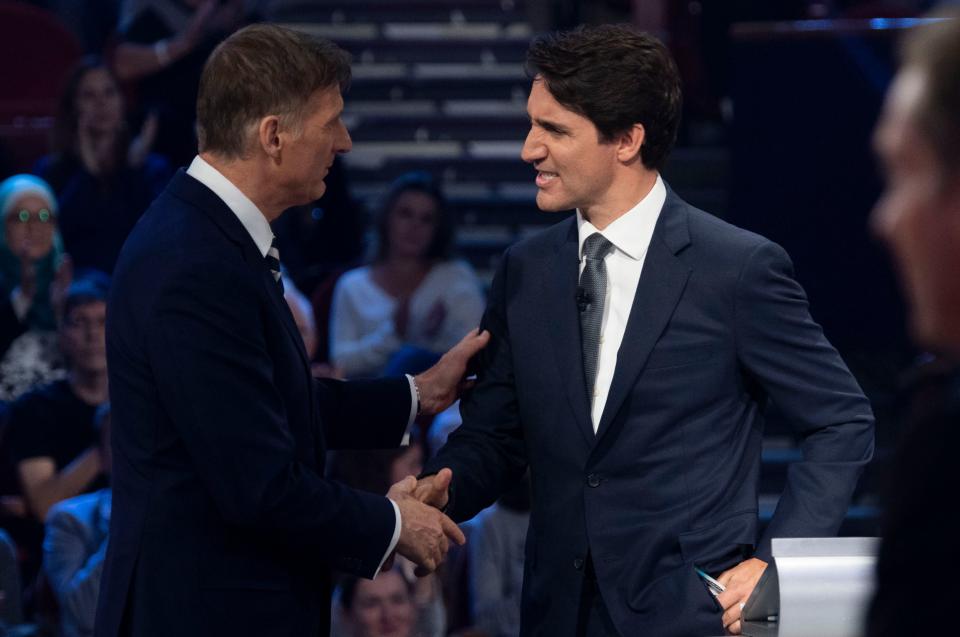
[425, 532]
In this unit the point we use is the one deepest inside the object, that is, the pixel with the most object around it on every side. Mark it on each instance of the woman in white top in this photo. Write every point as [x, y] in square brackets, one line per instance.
[398, 314]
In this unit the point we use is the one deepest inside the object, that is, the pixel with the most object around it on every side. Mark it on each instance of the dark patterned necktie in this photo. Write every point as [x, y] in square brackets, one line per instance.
[590, 299]
[273, 262]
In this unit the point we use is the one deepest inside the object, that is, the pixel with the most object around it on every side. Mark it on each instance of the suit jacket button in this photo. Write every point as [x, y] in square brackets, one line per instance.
[593, 480]
[578, 563]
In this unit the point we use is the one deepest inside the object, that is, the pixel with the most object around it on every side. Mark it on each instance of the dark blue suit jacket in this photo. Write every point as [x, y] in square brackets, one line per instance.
[718, 327]
[222, 521]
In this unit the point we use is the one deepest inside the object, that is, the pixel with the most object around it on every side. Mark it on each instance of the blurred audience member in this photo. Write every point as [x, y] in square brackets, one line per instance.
[375, 471]
[34, 273]
[413, 302]
[51, 439]
[75, 544]
[104, 180]
[302, 312]
[382, 607]
[163, 45]
[496, 547]
[444, 424]
[918, 216]
[323, 237]
[11, 612]
[92, 21]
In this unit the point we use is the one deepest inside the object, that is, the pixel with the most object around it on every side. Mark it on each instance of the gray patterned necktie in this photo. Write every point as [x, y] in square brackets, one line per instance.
[590, 299]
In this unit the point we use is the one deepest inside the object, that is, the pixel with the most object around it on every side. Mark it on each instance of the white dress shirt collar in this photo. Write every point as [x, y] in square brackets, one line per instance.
[247, 212]
[630, 233]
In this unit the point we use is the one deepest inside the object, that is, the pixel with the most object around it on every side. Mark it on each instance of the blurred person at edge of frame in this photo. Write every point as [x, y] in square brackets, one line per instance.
[918, 217]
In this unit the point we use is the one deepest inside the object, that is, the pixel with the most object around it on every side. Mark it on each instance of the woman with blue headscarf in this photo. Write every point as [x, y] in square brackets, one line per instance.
[34, 274]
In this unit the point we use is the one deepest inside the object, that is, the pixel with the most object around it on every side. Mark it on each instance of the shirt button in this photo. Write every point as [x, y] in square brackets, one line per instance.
[578, 563]
[593, 480]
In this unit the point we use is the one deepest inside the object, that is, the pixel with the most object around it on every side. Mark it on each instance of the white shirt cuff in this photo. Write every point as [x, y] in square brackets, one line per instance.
[393, 540]
[414, 404]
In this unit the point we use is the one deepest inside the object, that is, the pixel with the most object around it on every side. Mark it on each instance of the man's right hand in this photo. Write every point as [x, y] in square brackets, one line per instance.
[425, 533]
[435, 490]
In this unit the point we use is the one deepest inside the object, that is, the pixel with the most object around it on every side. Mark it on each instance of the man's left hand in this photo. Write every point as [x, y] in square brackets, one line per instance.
[739, 582]
[440, 385]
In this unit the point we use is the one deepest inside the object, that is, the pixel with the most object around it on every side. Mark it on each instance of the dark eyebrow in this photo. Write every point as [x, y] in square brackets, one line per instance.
[334, 117]
[553, 127]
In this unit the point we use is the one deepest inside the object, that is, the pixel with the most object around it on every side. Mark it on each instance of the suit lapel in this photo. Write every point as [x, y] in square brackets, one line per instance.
[280, 305]
[659, 290]
[195, 193]
[560, 284]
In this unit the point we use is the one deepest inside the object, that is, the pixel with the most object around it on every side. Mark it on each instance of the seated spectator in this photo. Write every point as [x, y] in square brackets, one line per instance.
[103, 178]
[34, 273]
[324, 237]
[10, 611]
[375, 471]
[382, 607]
[163, 44]
[413, 302]
[51, 439]
[75, 545]
[496, 548]
[302, 313]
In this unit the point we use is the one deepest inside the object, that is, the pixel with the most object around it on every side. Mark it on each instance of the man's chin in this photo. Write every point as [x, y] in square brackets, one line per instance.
[322, 188]
[547, 203]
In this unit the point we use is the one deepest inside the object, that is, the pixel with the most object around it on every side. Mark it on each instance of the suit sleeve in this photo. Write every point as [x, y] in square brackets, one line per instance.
[215, 376]
[783, 349]
[486, 453]
[364, 414]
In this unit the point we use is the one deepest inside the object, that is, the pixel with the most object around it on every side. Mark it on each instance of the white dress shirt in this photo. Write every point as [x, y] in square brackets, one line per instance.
[258, 228]
[630, 235]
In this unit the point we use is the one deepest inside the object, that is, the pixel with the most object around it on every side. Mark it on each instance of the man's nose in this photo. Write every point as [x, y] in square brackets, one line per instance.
[346, 144]
[533, 150]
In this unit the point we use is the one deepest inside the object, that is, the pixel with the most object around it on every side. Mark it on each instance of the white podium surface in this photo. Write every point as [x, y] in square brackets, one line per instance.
[825, 585]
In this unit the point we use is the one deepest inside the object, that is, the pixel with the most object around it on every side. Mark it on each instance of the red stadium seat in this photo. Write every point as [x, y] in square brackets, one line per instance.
[36, 51]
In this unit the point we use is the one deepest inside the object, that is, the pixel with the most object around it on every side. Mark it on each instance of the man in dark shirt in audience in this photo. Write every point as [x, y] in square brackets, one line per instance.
[918, 141]
[51, 438]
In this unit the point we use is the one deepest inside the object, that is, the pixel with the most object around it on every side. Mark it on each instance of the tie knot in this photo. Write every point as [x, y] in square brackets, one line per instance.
[273, 261]
[596, 246]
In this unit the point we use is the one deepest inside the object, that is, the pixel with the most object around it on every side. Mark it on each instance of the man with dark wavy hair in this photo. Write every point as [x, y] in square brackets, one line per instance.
[633, 349]
[918, 216]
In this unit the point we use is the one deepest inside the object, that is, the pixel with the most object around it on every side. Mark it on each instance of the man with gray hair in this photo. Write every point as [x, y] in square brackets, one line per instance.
[222, 521]
[918, 216]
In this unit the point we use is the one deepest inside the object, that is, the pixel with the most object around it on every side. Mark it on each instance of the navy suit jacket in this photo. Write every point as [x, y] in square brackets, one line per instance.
[718, 327]
[222, 521]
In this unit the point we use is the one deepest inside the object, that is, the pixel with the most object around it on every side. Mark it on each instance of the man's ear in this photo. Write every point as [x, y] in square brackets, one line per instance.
[268, 136]
[630, 143]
